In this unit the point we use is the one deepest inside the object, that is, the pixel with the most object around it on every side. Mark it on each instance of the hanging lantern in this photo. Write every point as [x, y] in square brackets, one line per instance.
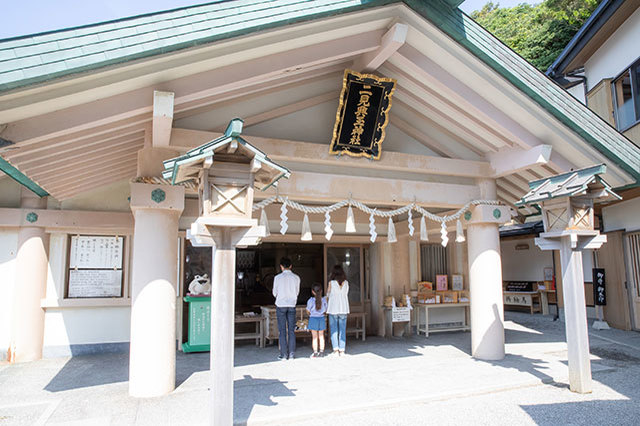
[306, 229]
[351, 223]
[391, 232]
[459, 233]
[372, 228]
[328, 232]
[443, 234]
[410, 221]
[264, 222]
[424, 235]
[283, 216]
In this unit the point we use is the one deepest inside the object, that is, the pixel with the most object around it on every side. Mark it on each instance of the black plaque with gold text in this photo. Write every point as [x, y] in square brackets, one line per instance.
[363, 115]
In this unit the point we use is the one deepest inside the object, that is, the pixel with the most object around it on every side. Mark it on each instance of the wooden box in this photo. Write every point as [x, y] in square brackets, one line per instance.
[429, 297]
[448, 296]
[463, 296]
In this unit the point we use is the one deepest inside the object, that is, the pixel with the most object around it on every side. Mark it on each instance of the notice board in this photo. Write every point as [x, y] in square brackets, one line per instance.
[95, 266]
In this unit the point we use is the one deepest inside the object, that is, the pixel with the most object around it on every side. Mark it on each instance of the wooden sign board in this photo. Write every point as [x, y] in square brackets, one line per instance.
[599, 287]
[363, 115]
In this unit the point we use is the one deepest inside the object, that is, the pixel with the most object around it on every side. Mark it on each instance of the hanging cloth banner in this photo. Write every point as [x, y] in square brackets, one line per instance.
[363, 115]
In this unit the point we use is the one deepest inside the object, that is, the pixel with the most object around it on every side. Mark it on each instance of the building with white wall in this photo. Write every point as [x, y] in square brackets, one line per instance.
[89, 115]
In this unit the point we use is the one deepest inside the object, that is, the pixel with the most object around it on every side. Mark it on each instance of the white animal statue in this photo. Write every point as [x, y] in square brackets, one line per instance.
[200, 285]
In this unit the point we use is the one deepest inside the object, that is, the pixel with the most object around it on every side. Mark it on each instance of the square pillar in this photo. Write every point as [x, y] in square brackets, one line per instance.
[156, 210]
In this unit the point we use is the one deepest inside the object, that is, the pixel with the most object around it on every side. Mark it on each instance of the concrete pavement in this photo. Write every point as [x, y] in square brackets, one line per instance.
[400, 381]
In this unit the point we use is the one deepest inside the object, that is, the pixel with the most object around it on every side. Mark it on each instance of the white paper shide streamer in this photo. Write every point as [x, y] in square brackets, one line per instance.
[372, 228]
[351, 222]
[283, 219]
[443, 234]
[306, 229]
[391, 232]
[459, 232]
[328, 232]
[424, 234]
[264, 222]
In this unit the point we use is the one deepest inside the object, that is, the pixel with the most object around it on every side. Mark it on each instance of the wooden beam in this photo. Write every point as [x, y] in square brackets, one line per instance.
[189, 90]
[162, 118]
[95, 173]
[68, 219]
[86, 166]
[486, 136]
[46, 160]
[391, 41]
[431, 143]
[91, 184]
[303, 186]
[317, 154]
[509, 161]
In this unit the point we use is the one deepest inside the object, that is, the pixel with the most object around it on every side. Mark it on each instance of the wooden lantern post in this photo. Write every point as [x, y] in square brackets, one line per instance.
[567, 202]
[227, 170]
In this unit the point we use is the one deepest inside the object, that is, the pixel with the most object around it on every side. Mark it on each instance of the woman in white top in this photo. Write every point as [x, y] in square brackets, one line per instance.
[338, 308]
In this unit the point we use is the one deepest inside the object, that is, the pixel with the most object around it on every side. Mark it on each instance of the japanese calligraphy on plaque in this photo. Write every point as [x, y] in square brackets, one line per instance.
[599, 288]
[363, 115]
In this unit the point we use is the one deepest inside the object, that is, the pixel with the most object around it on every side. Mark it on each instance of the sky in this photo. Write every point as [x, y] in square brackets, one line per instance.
[35, 16]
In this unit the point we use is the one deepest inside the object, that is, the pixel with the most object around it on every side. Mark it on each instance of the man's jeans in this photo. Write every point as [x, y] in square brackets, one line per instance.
[287, 319]
[338, 324]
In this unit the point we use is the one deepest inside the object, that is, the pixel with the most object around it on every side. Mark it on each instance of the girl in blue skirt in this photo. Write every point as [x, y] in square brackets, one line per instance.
[317, 307]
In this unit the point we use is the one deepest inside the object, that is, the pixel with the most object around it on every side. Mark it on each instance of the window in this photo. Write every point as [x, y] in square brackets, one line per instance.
[95, 266]
[434, 260]
[626, 97]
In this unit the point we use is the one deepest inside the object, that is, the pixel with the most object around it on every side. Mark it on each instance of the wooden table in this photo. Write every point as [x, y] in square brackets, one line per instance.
[259, 333]
[424, 328]
[361, 324]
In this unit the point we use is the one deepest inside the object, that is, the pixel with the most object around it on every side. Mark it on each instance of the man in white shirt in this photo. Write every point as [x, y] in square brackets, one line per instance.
[286, 286]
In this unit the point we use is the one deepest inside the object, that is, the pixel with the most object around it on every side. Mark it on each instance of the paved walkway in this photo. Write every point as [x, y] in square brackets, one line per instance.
[400, 381]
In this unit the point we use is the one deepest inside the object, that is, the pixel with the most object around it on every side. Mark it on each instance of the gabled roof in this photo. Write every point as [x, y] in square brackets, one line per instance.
[187, 166]
[602, 23]
[569, 184]
[35, 59]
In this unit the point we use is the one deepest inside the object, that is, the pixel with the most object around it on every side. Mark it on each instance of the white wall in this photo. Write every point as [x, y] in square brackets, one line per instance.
[528, 265]
[577, 92]
[74, 326]
[617, 53]
[8, 249]
[523, 265]
[624, 215]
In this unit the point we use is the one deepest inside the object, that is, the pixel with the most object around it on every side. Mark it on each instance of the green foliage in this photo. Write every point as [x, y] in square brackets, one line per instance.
[538, 33]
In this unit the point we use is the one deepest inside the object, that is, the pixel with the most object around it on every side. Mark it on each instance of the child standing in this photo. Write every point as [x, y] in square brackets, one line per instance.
[317, 306]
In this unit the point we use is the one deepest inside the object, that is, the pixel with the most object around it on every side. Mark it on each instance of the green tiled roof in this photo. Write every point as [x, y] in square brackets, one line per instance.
[38, 58]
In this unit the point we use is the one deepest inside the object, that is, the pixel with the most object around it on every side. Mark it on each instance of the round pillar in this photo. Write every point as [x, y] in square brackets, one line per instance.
[27, 331]
[485, 279]
[152, 363]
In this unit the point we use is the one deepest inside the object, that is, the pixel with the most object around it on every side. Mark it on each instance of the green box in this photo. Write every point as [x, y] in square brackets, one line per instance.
[199, 337]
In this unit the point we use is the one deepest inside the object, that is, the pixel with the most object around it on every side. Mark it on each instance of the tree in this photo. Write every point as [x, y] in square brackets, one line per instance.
[538, 33]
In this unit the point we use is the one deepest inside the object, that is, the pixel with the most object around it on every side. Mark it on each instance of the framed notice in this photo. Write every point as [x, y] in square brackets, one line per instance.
[441, 283]
[456, 283]
[401, 314]
[95, 266]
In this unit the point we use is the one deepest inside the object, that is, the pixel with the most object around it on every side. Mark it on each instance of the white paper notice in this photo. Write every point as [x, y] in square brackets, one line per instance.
[95, 283]
[96, 252]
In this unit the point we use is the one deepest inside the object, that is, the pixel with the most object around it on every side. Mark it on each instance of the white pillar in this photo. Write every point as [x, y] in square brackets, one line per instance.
[575, 317]
[222, 328]
[485, 281]
[156, 210]
[27, 323]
